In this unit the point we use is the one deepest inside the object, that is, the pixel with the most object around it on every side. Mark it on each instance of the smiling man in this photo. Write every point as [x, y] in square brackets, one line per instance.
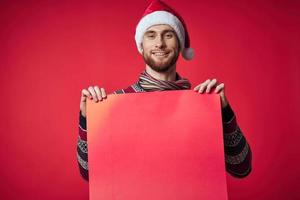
[161, 35]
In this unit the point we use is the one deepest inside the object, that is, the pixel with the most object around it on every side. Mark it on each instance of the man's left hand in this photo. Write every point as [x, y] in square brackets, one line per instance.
[210, 85]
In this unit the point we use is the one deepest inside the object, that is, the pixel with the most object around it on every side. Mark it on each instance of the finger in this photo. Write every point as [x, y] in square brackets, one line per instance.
[197, 87]
[98, 92]
[203, 85]
[85, 94]
[219, 88]
[93, 93]
[103, 93]
[210, 85]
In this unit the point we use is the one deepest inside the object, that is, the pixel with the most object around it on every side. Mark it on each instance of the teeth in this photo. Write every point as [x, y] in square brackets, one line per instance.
[160, 54]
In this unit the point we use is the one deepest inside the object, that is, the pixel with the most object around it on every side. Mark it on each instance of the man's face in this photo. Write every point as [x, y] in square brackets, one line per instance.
[160, 47]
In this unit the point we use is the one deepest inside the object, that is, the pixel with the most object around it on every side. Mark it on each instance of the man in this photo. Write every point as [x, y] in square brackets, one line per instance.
[161, 35]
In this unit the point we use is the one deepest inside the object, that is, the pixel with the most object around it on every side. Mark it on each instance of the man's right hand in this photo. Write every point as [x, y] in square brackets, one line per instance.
[94, 93]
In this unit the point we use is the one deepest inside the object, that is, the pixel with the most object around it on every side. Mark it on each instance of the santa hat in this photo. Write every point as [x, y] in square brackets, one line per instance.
[160, 13]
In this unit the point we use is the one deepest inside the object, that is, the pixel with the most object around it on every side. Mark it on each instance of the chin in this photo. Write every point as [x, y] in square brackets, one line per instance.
[160, 68]
[162, 62]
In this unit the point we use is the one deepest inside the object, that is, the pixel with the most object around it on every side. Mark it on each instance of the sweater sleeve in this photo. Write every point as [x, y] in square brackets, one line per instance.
[82, 154]
[238, 155]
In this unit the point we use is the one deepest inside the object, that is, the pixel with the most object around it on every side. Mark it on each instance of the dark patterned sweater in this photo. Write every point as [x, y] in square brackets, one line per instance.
[238, 156]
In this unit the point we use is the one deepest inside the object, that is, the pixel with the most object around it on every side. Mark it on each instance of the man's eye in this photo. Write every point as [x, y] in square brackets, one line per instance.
[151, 36]
[169, 35]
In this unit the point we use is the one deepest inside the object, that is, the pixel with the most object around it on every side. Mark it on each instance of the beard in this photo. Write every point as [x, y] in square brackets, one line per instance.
[161, 66]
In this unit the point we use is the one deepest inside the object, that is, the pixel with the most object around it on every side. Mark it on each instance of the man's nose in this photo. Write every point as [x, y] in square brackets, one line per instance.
[160, 42]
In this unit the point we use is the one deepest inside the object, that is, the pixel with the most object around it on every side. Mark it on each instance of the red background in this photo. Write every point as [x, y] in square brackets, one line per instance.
[50, 50]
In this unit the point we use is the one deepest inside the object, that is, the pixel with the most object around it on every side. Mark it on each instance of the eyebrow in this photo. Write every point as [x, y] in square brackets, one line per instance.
[148, 32]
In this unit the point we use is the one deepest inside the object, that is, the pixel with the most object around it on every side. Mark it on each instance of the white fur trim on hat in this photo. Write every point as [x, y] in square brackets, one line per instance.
[155, 18]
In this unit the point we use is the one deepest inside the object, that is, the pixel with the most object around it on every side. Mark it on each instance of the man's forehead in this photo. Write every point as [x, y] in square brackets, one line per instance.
[160, 28]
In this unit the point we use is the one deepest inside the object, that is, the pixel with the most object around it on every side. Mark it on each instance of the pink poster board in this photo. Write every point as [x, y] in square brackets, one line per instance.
[156, 146]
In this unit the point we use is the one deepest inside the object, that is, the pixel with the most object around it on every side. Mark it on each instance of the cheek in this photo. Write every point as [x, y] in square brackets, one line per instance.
[173, 44]
[145, 47]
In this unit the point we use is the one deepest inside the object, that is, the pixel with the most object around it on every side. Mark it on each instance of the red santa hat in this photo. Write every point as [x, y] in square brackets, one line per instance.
[160, 13]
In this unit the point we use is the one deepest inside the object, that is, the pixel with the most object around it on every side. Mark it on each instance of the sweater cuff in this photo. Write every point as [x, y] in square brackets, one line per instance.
[227, 113]
[82, 121]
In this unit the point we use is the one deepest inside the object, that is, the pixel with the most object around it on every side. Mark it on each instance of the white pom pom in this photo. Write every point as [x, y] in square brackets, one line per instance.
[188, 53]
